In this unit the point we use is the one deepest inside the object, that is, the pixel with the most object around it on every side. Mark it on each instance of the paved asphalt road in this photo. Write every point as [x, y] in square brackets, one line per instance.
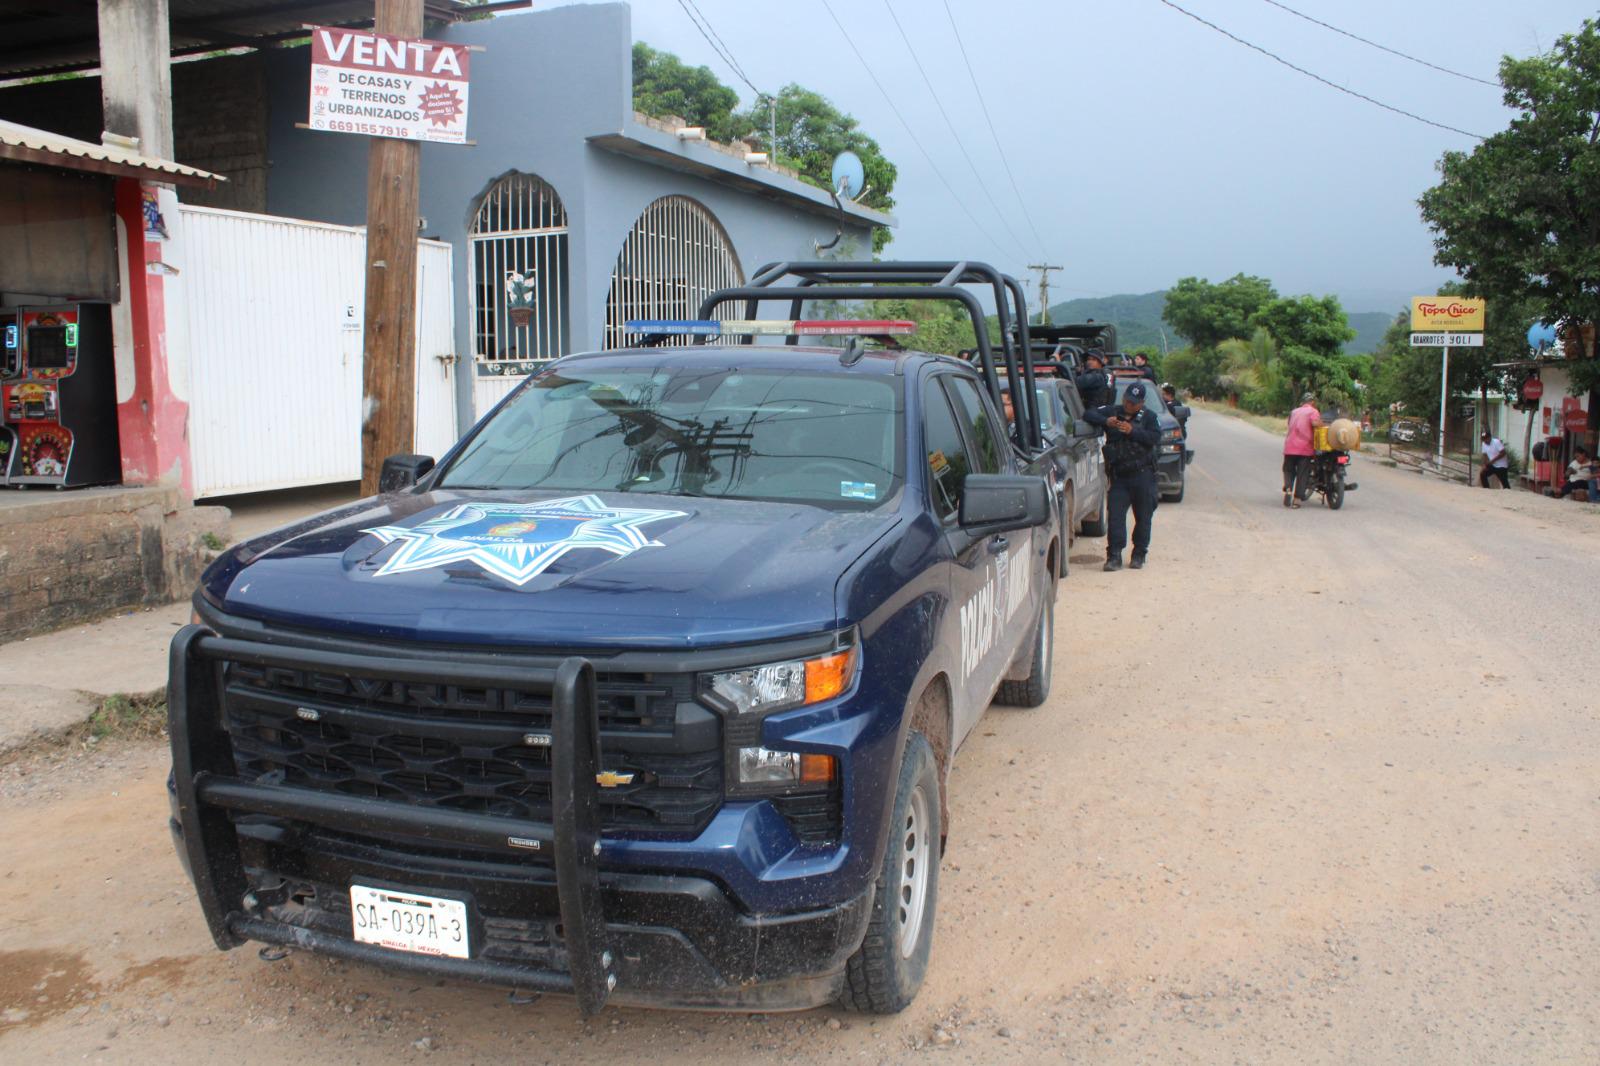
[1314, 787]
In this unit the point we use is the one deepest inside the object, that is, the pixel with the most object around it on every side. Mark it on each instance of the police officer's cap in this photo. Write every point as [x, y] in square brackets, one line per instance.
[1135, 392]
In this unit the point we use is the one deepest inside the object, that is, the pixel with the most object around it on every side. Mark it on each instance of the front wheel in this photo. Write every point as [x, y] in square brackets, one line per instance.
[885, 973]
[1177, 497]
[1334, 496]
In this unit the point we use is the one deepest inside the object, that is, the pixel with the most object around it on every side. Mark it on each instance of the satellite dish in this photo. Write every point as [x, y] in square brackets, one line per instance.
[1541, 335]
[849, 175]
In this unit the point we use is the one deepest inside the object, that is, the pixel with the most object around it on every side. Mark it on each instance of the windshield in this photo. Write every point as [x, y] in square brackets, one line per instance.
[828, 439]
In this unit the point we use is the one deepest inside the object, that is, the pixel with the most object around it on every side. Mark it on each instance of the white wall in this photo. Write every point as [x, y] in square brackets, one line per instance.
[274, 314]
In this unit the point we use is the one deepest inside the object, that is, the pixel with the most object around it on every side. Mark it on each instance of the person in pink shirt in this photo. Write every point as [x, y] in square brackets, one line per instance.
[1298, 449]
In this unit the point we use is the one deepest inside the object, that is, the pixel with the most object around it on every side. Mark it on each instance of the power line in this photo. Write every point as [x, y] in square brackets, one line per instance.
[1383, 47]
[909, 131]
[982, 185]
[1317, 77]
[716, 43]
[999, 151]
[727, 53]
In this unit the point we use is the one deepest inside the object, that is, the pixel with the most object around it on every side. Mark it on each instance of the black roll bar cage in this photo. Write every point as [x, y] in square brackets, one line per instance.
[209, 793]
[915, 280]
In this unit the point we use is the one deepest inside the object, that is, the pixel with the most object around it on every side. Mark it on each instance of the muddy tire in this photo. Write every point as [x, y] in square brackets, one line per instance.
[1095, 527]
[887, 970]
[1035, 688]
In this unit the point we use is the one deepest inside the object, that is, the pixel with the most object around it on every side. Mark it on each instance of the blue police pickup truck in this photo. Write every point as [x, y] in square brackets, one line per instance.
[646, 692]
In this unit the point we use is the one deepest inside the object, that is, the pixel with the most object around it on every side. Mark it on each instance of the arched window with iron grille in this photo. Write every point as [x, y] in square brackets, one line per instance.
[518, 293]
[676, 254]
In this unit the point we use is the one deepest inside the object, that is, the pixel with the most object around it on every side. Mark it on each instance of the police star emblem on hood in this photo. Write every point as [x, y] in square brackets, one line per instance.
[517, 541]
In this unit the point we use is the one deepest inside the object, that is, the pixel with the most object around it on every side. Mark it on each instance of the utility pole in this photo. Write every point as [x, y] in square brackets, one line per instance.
[389, 358]
[1044, 289]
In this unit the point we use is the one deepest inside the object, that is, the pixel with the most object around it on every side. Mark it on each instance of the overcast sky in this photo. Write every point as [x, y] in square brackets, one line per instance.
[1148, 147]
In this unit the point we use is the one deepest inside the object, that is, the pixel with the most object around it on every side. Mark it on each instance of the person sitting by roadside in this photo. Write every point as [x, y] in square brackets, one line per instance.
[1582, 473]
[1496, 463]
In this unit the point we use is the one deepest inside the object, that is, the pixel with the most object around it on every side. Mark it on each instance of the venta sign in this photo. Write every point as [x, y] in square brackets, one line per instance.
[385, 86]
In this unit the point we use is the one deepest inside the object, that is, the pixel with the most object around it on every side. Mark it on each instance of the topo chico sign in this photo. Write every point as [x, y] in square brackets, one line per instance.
[1455, 313]
[385, 86]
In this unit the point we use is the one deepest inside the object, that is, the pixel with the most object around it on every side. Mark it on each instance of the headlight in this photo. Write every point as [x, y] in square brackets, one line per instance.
[765, 768]
[781, 686]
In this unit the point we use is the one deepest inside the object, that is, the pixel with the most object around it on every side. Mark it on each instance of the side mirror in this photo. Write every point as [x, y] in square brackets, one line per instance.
[996, 503]
[403, 471]
[1180, 412]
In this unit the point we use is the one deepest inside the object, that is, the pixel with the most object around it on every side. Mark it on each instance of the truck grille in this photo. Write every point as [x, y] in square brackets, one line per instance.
[468, 749]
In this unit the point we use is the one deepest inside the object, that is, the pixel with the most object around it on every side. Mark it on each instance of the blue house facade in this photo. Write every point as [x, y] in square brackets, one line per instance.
[570, 213]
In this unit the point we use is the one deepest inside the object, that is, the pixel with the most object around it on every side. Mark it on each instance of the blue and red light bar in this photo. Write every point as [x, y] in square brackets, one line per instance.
[774, 327]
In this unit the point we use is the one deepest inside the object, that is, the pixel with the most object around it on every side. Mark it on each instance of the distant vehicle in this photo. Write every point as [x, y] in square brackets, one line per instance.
[1071, 459]
[1406, 431]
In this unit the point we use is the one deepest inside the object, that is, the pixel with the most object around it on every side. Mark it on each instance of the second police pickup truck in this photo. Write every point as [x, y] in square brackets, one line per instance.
[648, 690]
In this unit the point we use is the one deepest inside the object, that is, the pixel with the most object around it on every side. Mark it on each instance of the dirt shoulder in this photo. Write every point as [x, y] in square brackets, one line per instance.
[1310, 788]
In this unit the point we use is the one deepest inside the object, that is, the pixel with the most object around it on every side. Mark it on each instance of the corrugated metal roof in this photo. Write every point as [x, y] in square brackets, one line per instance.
[52, 149]
[49, 35]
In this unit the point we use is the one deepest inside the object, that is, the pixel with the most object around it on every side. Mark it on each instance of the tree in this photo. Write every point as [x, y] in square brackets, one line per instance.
[1196, 371]
[1519, 216]
[1318, 324]
[811, 133]
[663, 85]
[1207, 314]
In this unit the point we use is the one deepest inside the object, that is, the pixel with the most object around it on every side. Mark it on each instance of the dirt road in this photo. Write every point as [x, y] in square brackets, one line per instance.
[1314, 787]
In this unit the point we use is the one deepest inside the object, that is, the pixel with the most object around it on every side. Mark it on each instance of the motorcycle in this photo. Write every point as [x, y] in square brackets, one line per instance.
[1324, 473]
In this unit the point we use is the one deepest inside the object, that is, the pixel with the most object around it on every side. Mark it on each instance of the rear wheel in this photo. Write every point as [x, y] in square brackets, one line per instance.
[1064, 545]
[1096, 527]
[885, 973]
[1032, 690]
[1334, 497]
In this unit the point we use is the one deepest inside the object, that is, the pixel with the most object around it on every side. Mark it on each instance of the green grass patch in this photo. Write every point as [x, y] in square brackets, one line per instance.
[212, 541]
[129, 716]
[1270, 423]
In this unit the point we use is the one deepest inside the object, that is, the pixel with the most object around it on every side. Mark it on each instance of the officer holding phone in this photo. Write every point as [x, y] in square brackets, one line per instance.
[1132, 434]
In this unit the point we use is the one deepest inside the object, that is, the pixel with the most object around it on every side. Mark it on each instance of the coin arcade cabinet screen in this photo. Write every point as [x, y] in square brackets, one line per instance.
[58, 401]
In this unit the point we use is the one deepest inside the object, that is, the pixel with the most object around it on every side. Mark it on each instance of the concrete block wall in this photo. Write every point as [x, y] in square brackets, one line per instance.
[70, 558]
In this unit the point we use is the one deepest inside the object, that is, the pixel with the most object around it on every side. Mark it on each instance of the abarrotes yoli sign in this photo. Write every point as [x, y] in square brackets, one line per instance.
[383, 86]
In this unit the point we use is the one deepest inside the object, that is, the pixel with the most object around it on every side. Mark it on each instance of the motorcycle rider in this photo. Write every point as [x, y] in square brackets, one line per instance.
[1132, 434]
[1298, 448]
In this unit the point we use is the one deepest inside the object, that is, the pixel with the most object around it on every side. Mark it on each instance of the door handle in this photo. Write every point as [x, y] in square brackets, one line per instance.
[998, 544]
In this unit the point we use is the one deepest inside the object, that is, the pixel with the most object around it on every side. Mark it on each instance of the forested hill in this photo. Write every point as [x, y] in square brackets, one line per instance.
[1138, 320]
[1137, 317]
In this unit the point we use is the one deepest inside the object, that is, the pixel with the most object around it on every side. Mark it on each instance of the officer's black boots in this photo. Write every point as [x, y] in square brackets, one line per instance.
[1113, 562]
[1137, 563]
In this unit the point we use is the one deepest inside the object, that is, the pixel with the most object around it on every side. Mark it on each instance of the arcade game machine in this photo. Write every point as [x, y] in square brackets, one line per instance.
[62, 408]
[10, 369]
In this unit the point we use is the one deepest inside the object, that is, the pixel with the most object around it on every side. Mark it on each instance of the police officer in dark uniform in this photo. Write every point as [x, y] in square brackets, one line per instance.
[1094, 383]
[1141, 363]
[1132, 433]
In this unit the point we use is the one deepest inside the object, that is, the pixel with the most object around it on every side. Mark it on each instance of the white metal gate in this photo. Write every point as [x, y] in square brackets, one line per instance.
[517, 292]
[674, 257]
[274, 314]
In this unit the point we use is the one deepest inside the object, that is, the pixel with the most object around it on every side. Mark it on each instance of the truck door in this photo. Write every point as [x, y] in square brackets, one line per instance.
[993, 581]
[1084, 450]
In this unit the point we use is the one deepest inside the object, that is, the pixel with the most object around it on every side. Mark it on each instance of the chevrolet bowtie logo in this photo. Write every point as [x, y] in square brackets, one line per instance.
[611, 779]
